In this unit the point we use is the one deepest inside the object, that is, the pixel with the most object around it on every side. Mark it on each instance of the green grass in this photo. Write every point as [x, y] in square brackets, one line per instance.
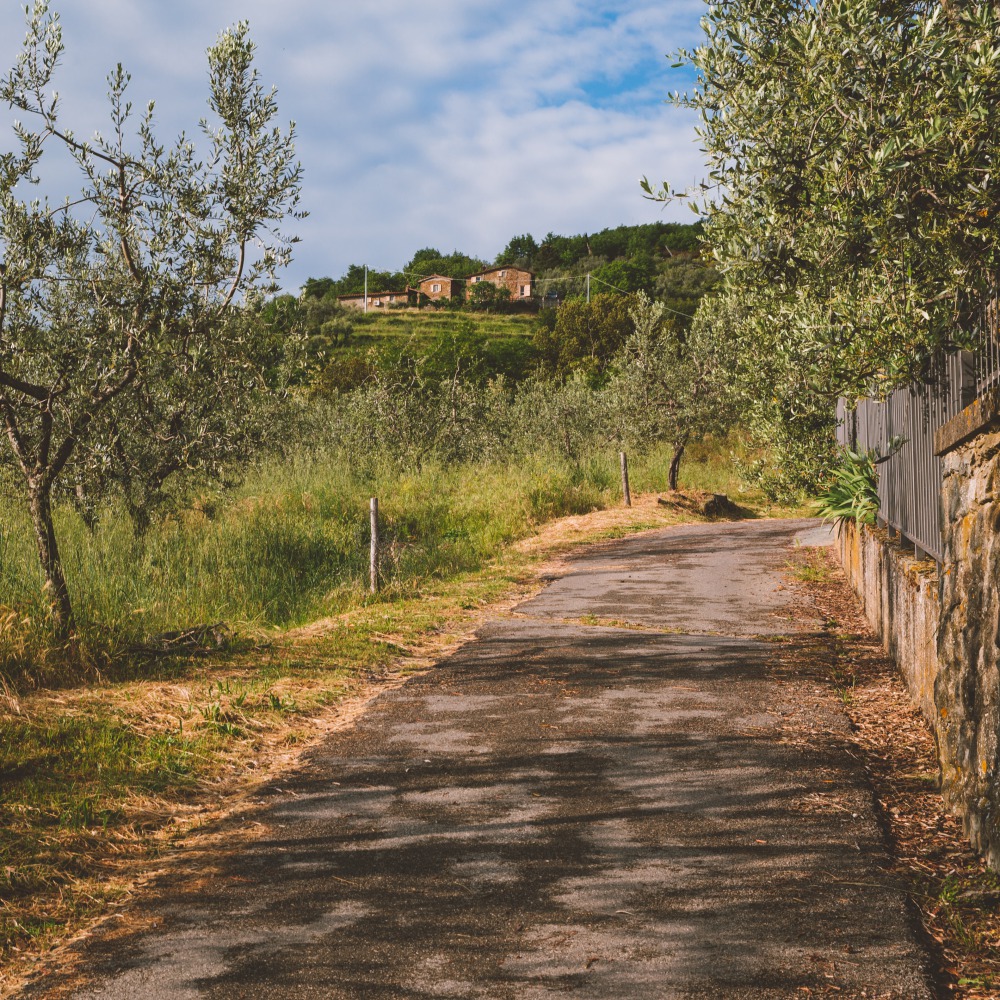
[292, 545]
[418, 332]
[43, 759]
[426, 325]
[707, 465]
[483, 345]
[63, 782]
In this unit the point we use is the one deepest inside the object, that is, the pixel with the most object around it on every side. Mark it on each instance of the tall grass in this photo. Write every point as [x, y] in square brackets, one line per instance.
[289, 547]
[461, 470]
[709, 464]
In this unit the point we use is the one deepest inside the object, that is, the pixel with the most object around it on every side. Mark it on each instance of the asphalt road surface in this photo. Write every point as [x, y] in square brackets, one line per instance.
[594, 799]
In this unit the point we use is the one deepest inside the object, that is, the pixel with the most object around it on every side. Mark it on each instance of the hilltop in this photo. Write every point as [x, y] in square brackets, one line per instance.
[662, 259]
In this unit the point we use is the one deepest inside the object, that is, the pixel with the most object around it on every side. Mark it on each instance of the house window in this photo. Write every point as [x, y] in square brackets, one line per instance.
[503, 274]
[435, 288]
[525, 290]
[476, 279]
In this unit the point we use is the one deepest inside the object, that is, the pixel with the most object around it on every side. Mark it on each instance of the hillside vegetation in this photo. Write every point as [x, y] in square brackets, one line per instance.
[662, 259]
[561, 333]
[350, 405]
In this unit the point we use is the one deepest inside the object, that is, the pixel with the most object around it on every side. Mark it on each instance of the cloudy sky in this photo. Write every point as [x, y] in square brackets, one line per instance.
[442, 123]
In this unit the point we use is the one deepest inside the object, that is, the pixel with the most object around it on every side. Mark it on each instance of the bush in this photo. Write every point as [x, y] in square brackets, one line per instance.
[586, 335]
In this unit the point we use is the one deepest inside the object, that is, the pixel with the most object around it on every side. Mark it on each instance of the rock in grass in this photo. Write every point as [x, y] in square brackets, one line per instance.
[715, 505]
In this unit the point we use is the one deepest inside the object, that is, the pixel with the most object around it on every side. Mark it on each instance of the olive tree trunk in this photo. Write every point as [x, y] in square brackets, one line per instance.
[56, 591]
[675, 465]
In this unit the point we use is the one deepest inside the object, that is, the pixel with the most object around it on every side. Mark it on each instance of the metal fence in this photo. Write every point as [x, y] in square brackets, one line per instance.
[901, 430]
[987, 345]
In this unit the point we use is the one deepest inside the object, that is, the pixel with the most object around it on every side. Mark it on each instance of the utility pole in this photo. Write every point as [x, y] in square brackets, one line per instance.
[588, 286]
[366, 288]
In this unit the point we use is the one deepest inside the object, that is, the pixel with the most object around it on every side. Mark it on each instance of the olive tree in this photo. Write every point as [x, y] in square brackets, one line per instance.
[200, 420]
[852, 201]
[114, 296]
[670, 384]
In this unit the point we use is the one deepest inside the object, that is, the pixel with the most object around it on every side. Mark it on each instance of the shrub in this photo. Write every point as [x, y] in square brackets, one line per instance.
[852, 492]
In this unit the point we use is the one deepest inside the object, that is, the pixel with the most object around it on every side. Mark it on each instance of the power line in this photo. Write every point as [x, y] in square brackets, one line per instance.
[601, 281]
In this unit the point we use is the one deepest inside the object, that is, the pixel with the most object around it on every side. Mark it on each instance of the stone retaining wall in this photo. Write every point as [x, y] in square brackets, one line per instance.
[942, 626]
[967, 693]
[899, 595]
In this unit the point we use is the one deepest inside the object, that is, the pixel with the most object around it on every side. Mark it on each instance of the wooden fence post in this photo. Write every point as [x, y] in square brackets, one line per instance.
[373, 566]
[625, 490]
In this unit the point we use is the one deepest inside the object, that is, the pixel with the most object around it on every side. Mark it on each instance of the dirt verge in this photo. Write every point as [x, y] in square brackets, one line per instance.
[956, 897]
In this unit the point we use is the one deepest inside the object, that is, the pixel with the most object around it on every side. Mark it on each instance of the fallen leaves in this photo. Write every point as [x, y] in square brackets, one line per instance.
[957, 897]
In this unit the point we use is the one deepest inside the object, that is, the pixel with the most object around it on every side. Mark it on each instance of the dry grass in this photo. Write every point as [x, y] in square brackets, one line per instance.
[566, 532]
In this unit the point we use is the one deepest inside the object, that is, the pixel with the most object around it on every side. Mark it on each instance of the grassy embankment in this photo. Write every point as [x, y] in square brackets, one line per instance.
[419, 329]
[482, 344]
[102, 765]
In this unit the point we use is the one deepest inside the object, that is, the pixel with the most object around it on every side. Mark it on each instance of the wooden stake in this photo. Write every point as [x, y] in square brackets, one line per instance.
[373, 567]
[625, 490]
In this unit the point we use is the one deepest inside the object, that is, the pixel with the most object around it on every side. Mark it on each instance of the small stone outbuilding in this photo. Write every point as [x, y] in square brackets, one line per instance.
[378, 300]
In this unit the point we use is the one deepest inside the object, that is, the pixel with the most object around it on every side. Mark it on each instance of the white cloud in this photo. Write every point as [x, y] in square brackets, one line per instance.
[455, 124]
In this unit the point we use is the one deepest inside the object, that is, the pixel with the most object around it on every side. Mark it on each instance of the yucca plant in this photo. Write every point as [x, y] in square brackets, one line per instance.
[852, 493]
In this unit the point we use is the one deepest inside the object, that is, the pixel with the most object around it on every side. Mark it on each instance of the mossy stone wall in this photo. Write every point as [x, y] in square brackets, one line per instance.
[967, 691]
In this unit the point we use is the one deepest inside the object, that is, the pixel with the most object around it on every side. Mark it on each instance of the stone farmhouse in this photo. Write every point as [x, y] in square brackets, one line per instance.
[379, 300]
[517, 280]
[437, 286]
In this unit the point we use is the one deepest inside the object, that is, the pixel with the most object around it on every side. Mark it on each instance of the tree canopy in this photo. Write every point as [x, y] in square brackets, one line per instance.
[431, 261]
[852, 204]
[585, 335]
[519, 252]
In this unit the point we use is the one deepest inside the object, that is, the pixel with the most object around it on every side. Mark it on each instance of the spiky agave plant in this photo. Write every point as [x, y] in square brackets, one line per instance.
[852, 492]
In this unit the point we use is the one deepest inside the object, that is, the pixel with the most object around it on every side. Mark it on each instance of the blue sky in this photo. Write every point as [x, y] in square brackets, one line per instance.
[444, 123]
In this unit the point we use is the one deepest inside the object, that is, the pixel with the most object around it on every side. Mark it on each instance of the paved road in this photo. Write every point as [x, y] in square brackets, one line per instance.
[565, 808]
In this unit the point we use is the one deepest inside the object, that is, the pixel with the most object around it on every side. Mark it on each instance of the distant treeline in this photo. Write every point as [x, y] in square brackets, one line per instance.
[657, 239]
